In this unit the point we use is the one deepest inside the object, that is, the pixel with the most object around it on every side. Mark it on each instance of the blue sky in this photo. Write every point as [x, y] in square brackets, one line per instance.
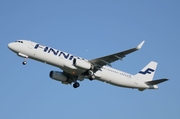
[90, 29]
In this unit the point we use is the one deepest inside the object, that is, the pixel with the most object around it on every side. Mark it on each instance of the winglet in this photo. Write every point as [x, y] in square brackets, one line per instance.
[140, 45]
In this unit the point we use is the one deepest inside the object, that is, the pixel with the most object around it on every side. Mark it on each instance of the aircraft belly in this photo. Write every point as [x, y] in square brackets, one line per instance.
[121, 81]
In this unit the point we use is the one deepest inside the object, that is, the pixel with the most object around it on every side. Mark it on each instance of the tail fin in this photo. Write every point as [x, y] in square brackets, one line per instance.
[147, 73]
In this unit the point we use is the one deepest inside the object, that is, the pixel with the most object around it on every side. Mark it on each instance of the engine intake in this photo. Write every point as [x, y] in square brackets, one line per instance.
[82, 64]
[57, 76]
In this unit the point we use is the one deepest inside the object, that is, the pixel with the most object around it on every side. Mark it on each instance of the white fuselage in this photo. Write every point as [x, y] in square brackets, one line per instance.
[65, 62]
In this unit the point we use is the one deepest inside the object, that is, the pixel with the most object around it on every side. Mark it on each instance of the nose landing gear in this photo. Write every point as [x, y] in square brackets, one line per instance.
[24, 56]
[25, 62]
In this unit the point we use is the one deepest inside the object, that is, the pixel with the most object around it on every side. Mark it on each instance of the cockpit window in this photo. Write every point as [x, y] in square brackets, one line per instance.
[19, 41]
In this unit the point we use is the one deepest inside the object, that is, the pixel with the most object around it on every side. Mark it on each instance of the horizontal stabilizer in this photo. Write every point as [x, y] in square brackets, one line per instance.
[154, 82]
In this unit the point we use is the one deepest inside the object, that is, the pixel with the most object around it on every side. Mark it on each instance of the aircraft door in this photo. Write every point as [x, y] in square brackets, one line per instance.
[30, 45]
[136, 81]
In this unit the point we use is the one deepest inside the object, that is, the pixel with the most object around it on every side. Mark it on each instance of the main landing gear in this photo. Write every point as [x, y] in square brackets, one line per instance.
[76, 85]
[91, 75]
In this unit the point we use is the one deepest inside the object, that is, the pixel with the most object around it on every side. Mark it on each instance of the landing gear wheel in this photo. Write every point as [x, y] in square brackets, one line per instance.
[90, 72]
[91, 77]
[24, 63]
[76, 85]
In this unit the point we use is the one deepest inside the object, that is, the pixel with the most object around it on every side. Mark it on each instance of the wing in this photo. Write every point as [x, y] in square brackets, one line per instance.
[107, 60]
[71, 78]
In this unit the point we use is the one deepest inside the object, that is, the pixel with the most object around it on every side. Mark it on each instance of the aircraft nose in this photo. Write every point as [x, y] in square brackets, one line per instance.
[11, 46]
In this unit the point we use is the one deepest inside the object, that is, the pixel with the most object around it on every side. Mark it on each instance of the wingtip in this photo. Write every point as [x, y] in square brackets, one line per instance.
[140, 45]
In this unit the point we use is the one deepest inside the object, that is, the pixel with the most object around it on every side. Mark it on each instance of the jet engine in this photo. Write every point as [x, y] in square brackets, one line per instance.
[82, 64]
[57, 76]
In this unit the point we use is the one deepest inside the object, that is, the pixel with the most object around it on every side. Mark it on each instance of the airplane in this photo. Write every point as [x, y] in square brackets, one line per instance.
[77, 69]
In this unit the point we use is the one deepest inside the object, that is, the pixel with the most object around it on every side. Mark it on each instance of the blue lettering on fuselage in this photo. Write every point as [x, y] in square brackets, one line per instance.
[56, 52]
[45, 49]
[66, 55]
[71, 57]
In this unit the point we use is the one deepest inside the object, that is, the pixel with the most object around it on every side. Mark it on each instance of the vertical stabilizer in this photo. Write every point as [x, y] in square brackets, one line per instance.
[147, 73]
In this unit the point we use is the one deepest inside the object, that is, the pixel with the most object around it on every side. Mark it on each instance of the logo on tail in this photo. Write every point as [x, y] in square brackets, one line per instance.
[149, 71]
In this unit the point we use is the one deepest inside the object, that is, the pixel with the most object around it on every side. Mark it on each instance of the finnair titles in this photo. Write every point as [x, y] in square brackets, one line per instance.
[75, 69]
[56, 52]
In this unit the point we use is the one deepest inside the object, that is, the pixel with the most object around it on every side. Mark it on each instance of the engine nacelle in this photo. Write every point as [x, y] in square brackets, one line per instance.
[82, 64]
[58, 76]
